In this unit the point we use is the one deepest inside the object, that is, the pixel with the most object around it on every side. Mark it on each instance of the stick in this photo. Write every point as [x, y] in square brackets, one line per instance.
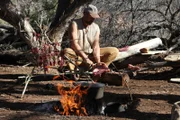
[28, 79]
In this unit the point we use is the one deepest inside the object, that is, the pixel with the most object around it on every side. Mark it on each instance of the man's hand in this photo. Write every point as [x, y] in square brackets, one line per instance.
[99, 69]
[101, 64]
[89, 62]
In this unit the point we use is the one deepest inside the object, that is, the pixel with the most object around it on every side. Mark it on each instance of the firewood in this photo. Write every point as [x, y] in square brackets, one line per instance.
[115, 78]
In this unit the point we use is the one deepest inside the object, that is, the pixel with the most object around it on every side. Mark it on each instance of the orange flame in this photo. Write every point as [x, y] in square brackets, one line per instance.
[55, 77]
[72, 99]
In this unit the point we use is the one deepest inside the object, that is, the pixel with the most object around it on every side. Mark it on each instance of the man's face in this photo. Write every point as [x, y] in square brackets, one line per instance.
[88, 19]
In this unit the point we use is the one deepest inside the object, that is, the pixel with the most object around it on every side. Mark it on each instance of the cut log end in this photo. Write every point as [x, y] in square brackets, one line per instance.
[115, 78]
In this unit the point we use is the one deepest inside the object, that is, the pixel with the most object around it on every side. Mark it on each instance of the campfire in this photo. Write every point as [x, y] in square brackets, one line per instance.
[80, 98]
[84, 98]
[72, 100]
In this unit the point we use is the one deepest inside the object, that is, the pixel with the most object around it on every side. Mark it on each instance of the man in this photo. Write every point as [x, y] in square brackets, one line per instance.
[84, 35]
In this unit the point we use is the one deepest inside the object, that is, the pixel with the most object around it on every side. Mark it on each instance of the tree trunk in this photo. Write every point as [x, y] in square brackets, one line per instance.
[9, 13]
[64, 14]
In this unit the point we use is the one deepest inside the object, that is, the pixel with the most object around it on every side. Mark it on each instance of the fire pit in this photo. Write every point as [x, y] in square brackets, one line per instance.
[82, 98]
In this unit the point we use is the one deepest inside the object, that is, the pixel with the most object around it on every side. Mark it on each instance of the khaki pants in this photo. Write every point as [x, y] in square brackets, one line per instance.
[107, 55]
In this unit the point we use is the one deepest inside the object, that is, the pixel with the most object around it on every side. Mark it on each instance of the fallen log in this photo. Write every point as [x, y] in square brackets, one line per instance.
[134, 60]
[12, 56]
[135, 49]
[162, 64]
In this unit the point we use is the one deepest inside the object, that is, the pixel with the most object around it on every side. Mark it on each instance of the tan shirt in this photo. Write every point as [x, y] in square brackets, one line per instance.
[86, 36]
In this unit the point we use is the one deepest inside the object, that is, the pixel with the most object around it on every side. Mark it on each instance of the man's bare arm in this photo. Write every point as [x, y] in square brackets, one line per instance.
[96, 48]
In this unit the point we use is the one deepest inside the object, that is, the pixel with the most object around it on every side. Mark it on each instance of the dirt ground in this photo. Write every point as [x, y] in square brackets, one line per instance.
[152, 92]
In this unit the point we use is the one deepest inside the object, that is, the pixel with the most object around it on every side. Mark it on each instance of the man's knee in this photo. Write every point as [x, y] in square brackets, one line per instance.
[115, 51]
[109, 54]
[112, 51]
[68, 50]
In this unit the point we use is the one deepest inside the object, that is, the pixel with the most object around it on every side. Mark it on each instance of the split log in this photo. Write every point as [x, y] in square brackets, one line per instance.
[135, 49]
[115, 78]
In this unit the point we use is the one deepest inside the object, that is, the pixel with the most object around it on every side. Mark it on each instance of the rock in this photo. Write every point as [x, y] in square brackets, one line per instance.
[175, 111]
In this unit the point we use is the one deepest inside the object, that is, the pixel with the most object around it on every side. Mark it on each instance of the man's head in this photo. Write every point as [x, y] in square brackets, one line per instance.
[90, 14]
[92, 10]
